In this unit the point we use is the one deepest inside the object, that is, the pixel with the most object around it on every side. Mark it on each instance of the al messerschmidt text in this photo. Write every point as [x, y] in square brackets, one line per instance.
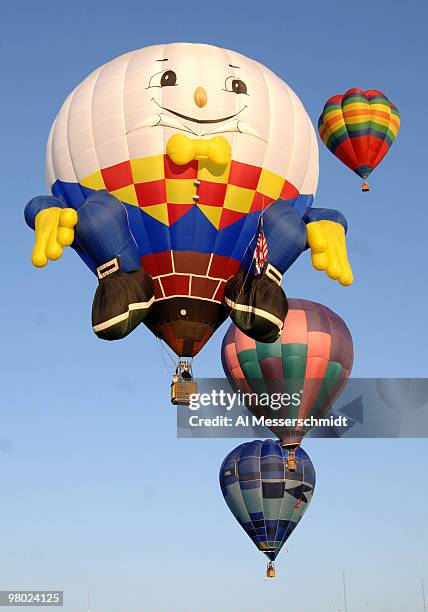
[254, 421]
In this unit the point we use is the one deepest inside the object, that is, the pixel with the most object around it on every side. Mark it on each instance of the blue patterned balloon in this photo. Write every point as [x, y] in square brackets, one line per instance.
[266, 498]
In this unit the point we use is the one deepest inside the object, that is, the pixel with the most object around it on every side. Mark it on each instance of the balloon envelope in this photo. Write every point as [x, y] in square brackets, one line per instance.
[359, 127]
[266, 499]
[311, 359]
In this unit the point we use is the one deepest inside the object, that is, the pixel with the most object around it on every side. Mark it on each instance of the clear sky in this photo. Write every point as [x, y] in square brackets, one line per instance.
[96, 489]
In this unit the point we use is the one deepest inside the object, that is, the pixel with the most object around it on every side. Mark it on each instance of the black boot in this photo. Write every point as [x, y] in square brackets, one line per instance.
[259, 305]
[122, 300]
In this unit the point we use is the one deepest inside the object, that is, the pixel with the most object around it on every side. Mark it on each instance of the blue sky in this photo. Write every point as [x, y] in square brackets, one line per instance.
[97, 490]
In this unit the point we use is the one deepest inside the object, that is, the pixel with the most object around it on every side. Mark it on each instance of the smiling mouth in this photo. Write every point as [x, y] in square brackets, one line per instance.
[201, 121]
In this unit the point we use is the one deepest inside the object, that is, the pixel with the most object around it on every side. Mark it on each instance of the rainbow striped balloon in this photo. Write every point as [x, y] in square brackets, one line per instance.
[359, 127]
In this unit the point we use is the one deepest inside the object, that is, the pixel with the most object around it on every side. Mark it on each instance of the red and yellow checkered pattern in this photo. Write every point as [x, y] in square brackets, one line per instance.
[166, 191]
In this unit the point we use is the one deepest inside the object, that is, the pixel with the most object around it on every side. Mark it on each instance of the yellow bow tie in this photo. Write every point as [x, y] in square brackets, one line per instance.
[182, 150]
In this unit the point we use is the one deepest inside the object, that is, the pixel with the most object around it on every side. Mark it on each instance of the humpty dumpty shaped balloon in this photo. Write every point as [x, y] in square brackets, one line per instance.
[184, 175]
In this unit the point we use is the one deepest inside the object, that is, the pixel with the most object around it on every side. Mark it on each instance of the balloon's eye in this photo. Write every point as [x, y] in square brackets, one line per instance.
[168, 78]
[237, 86]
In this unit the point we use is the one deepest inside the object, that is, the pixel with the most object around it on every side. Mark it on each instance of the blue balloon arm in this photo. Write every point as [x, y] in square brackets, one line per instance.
[284, 227]
[325, 214]
[102, 231]
[39, 203]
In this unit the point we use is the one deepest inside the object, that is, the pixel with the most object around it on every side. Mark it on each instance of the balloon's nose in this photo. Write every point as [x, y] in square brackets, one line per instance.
[200, 97]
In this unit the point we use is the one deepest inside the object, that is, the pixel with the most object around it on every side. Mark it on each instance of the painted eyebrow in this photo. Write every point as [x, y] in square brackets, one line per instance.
[232, 66]
[162, 60]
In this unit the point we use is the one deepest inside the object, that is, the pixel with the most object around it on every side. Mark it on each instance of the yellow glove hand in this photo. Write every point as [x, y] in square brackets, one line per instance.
[326, 239]
[54, 229]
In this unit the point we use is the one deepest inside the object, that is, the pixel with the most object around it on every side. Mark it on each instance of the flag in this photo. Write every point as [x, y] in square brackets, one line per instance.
[261, 252]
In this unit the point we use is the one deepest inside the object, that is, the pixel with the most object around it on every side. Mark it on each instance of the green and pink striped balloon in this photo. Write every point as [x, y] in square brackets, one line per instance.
[312, 360]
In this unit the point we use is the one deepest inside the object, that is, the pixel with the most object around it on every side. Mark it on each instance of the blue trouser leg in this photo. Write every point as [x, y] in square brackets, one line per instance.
[285, 233]
[258, 303]
[103, 232]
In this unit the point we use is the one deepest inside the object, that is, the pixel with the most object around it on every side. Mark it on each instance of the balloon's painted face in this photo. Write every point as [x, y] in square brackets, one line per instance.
[226, 78]
[130, 108]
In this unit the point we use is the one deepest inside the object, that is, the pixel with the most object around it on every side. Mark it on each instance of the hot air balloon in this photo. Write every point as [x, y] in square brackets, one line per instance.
[359, 127]
[266, 498]
[168, 168]
[310, 363]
